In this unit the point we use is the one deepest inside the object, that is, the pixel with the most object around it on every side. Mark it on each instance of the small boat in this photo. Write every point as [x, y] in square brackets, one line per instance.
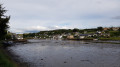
[95, 39]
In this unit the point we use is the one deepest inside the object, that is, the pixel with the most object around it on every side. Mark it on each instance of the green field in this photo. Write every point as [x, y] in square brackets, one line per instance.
[5, 60]
[111, 38]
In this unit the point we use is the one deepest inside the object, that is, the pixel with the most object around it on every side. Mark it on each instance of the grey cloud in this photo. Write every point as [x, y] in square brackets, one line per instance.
[38, 28]
[50, 13]
[117, 17]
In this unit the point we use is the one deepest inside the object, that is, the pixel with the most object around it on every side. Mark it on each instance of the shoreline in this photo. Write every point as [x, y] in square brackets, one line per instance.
[97, 39]
[5, 59]
[78, 49]
[13, 58]
[10, 58]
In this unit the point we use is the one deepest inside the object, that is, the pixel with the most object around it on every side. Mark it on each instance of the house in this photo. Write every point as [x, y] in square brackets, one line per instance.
[95, 34]
[115, 28]
[76, 33]
[98, 32]
[82, 36]
[106, 28]
[17, 36]
[57, 37]
[70, 37]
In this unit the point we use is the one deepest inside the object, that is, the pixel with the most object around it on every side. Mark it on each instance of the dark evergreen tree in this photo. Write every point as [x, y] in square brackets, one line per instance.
[75, 30]
[4, 20]
[100, 28]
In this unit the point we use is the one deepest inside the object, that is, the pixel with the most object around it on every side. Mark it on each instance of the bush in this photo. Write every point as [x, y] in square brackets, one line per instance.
[114, 33]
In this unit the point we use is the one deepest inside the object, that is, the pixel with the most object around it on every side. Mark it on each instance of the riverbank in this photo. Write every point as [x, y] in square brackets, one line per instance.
[5, 59]
[68, 53]
[8, 59]
[111, 38]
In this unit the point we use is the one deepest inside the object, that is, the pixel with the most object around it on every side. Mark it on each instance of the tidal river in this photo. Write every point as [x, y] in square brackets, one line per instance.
[56, 53]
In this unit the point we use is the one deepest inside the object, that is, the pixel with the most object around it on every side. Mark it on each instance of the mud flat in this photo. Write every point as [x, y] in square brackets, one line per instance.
[55, 53]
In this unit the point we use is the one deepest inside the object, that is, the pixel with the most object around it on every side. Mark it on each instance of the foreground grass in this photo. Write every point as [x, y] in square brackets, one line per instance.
[5, 60]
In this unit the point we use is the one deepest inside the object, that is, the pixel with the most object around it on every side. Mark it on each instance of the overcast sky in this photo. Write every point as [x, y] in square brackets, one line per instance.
[38, 15]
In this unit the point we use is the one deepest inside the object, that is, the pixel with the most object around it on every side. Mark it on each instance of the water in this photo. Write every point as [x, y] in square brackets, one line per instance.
[55, 53]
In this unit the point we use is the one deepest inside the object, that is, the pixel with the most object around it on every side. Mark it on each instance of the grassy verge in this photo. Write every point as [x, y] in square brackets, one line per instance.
[111, 38]
[5, 60]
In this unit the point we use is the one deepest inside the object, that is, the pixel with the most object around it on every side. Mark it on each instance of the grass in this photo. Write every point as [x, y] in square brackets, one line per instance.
[5, 60]
[111, 38]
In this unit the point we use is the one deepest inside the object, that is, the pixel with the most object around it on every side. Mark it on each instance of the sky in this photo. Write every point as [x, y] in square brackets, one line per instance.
[39, 15]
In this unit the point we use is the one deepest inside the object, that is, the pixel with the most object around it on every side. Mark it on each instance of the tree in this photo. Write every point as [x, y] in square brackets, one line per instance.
[75, 30]
[114, 33]
[4, 20]
[119, 29]
[99, 28]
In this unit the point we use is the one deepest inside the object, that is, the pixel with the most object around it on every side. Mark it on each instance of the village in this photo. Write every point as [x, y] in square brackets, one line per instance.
[60, 33]
[71, 34]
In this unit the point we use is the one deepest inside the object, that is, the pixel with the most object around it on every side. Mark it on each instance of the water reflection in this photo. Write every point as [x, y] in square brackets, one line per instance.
[54, 53]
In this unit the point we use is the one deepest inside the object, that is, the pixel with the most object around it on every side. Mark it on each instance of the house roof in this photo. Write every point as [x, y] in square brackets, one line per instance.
[84, 34]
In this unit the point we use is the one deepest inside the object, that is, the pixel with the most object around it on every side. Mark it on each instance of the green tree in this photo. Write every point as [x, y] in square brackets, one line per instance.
[99, 28]
[75, 30]
[8, 36]
[119, 29]
[114, 33]
[4, 20]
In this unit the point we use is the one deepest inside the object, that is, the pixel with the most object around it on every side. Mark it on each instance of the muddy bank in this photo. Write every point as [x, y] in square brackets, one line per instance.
[14, 58]
[54, 53]
[5, 59]
[9, 56]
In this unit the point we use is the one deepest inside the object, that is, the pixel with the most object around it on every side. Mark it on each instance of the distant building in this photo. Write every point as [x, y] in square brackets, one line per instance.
[98, 32]
[17, 36]
[76, 33]
[82, 36]
[115, 28]
[57, 37]
[70, 37]
[106, 28]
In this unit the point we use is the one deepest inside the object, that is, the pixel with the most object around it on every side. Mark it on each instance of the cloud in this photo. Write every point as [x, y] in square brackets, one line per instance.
[38, 28]
[116, 17]
[34, 15]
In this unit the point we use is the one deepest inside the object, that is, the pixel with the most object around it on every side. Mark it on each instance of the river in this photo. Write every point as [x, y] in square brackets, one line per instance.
[64, 53]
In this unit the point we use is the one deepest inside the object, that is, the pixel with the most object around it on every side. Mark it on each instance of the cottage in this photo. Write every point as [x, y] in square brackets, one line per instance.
[106, 28]
[57, 37]
[17, 36]
[115, 28]
[70, 37]
[82, 36]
